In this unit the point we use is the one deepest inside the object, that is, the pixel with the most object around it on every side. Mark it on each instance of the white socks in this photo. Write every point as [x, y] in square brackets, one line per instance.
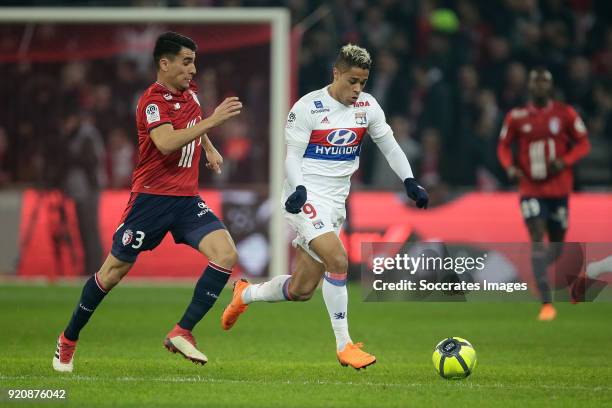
[336, 300]
[274, 290]
[334, 294]
[594, 269]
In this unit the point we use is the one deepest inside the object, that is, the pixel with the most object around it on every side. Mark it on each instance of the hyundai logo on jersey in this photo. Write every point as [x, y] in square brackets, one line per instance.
[318, 104]
[341, 137]
[335, 144]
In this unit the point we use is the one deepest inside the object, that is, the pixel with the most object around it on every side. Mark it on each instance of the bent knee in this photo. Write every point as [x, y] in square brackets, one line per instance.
[301, 294]
[110, 277]
[226, 258]
[337, 264]
[298, 296]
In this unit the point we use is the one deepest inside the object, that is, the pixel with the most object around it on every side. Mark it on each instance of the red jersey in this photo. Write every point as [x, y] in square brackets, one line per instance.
[543, 134]
[177, 173]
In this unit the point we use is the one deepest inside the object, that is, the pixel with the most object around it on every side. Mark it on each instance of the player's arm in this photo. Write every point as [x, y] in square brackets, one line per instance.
[399, 164]
[297, 135]
[168, 140]
[578, 133]
[382, 135]
[504, 148]
[213, 157]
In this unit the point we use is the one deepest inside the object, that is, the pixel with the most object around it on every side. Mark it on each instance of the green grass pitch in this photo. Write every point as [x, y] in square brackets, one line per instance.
[283, 355]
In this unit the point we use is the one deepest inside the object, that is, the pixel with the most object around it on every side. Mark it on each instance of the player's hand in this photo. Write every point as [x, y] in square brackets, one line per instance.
[557, 165]
[227, 109]
[514, 173]
[296, 200]
[416, 192]
[214, 160]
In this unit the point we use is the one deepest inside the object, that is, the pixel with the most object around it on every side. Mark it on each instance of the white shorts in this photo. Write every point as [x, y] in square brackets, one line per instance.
[316, 218]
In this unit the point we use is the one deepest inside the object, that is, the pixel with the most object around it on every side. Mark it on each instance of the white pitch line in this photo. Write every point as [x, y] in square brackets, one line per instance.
[198, 379]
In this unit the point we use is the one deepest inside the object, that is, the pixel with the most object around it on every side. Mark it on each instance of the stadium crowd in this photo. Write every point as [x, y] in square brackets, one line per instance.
[445, 72]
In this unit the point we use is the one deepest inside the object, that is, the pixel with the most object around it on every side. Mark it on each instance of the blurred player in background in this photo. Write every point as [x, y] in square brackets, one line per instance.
[171, 135]
[324, 132]
[551, 138]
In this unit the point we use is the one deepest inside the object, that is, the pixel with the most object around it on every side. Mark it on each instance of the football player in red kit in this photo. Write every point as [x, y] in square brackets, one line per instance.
[171, 137]
[550, 138]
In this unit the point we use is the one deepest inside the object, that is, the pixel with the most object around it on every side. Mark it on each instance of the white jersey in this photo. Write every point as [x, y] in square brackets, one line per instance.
[333, 133]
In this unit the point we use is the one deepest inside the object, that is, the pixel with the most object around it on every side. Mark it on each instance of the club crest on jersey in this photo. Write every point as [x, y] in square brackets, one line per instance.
[318, 224]
[361, 119]
[177, 106]
[128, 237]
[526, 128]
[152, 113]
[168, 96]
[554, 125]
[341, 137]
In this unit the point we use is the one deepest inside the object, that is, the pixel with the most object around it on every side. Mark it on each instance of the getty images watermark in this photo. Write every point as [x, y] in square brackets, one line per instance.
[436, 271]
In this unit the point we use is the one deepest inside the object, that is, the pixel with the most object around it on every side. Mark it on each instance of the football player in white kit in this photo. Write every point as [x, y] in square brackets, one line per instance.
[324, 132]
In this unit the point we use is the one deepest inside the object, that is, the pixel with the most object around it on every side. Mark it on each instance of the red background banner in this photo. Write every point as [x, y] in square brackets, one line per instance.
[375, 217]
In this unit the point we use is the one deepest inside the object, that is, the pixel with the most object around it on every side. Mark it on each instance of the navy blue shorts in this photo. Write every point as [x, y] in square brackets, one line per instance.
[148, 217]
[553, 210]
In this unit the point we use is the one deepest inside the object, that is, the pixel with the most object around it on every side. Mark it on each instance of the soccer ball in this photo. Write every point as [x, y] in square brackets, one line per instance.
[454, 357]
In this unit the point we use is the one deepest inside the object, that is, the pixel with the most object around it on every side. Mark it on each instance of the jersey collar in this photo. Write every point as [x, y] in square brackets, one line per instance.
[532, 108]
[177, 93]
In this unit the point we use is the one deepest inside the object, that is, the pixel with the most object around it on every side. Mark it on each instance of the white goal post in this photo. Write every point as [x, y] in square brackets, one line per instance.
[278, 18]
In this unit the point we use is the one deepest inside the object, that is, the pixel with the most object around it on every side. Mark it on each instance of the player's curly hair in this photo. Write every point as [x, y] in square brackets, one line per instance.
[352, 55]
[169, 44]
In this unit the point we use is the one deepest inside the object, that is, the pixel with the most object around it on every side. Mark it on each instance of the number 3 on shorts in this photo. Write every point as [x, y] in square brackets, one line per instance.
[309, 210]
[139, 238]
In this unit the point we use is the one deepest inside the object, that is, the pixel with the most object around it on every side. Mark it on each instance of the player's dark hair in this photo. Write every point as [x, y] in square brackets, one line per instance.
[169, 44]
[353, 56]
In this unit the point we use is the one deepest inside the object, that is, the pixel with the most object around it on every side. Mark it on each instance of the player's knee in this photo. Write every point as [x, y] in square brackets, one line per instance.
[298, 295]
[112, 271]
[110, 277]
[227, 258]
[338, 263]
[301, 293]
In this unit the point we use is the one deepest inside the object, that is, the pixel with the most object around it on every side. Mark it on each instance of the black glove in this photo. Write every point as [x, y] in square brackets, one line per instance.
[296, 200]
[416, 192]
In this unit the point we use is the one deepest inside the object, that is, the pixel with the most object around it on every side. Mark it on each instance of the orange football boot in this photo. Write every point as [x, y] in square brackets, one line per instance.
[355, 357]
[547, 312]
[236, 306]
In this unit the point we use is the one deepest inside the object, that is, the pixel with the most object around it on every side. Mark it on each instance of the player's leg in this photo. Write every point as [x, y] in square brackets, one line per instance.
[535, 218]
[197, 226]
[556, 227]
[330, 250]
[220, 250]
[94, 291]
[144, 225]
[299, 286]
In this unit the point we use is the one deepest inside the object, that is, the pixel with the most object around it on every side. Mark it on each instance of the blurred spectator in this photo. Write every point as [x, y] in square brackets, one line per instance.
[84, 178]
[120, 159]
[513, 92]
[431, 157]
[579, 86]
[387, 84]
